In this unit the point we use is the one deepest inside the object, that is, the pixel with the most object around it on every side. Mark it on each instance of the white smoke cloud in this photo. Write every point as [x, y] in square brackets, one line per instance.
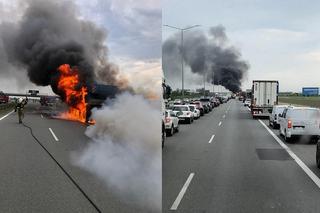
[125, 150]
[145, 77]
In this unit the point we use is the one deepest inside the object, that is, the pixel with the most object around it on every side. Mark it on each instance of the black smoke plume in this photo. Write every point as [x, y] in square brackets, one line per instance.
[208, 53]
[49, 34]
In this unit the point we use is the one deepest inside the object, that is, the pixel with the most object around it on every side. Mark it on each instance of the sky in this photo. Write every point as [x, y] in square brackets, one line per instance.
[133, 39]
[279, 39]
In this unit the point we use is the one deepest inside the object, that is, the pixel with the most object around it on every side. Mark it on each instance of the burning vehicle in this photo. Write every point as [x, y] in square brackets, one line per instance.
[69, 54]
[79, 97]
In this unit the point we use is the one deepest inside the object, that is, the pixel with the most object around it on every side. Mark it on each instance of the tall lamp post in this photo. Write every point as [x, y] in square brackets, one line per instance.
[182, 30]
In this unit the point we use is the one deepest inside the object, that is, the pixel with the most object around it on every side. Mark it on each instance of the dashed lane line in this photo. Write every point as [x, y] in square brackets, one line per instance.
[182, 192]
[54, 135]
[211, 139]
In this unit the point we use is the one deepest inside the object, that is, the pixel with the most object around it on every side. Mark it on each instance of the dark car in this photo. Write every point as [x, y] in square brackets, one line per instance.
[215, 102]
[206, 102]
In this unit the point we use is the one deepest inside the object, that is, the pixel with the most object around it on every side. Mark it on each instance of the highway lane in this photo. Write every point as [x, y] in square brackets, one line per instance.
[31, 182]
[243, 169]
[303, 148]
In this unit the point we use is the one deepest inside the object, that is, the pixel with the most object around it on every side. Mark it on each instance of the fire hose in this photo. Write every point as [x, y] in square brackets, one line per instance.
[63, 170]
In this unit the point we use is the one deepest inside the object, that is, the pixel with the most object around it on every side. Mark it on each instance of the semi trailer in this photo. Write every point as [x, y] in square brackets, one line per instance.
[264, 96]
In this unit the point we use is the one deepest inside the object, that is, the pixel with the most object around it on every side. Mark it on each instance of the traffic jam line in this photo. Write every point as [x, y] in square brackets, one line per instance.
[182, 192]
[211, 139]
[54, 136]
[3, 117]
[303, 166]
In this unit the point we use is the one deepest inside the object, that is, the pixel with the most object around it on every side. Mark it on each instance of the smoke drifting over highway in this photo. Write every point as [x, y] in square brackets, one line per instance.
[125, 150]
[208, 53]
[50, 34]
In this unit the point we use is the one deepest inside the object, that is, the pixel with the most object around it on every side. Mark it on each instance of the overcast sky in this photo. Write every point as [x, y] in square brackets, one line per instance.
[279, 39]
[133, 37]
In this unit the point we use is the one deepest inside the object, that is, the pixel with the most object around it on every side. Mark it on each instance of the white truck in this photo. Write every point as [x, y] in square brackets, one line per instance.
[264, 96]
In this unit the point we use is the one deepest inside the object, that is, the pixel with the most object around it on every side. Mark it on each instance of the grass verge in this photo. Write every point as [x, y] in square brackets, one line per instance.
[312, 101]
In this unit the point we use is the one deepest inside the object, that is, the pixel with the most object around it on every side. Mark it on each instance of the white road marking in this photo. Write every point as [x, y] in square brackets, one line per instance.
[220, 123]
[211, 138]
[224, 116]
[54, 136]
[41, 116]
[303, 166]
[249, 109]
[181, 193]
[3, 117]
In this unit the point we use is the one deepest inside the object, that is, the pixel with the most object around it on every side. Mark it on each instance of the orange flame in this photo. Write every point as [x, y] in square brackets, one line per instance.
[75, 98]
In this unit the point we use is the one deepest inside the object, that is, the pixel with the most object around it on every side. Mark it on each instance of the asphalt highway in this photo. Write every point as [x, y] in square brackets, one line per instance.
[229, 162]
[30, 181]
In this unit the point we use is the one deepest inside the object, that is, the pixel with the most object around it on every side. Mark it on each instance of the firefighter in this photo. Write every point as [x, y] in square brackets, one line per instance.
[19, 106]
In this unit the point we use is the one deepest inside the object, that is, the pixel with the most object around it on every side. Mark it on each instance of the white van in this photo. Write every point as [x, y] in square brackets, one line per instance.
[299, 121]
[274, 117]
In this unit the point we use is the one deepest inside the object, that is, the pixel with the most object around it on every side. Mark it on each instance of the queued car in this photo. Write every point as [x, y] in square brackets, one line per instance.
[184, 113]
[171, 122]
[215, 102]
[274, 116]
[196, 112]
[299, 121]
[199, 106]
[247, 103]
[225, 99]
[221, 100]
[177, 101]
[206, 102]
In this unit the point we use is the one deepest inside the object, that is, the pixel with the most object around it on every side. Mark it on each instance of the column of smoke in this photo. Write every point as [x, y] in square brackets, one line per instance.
[125, 147]
[50, 34]
[126, 152]
[208, 53]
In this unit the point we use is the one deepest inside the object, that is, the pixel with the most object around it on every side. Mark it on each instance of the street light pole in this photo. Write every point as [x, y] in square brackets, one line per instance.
[182, 61]
[213, 84]
[204, 83]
